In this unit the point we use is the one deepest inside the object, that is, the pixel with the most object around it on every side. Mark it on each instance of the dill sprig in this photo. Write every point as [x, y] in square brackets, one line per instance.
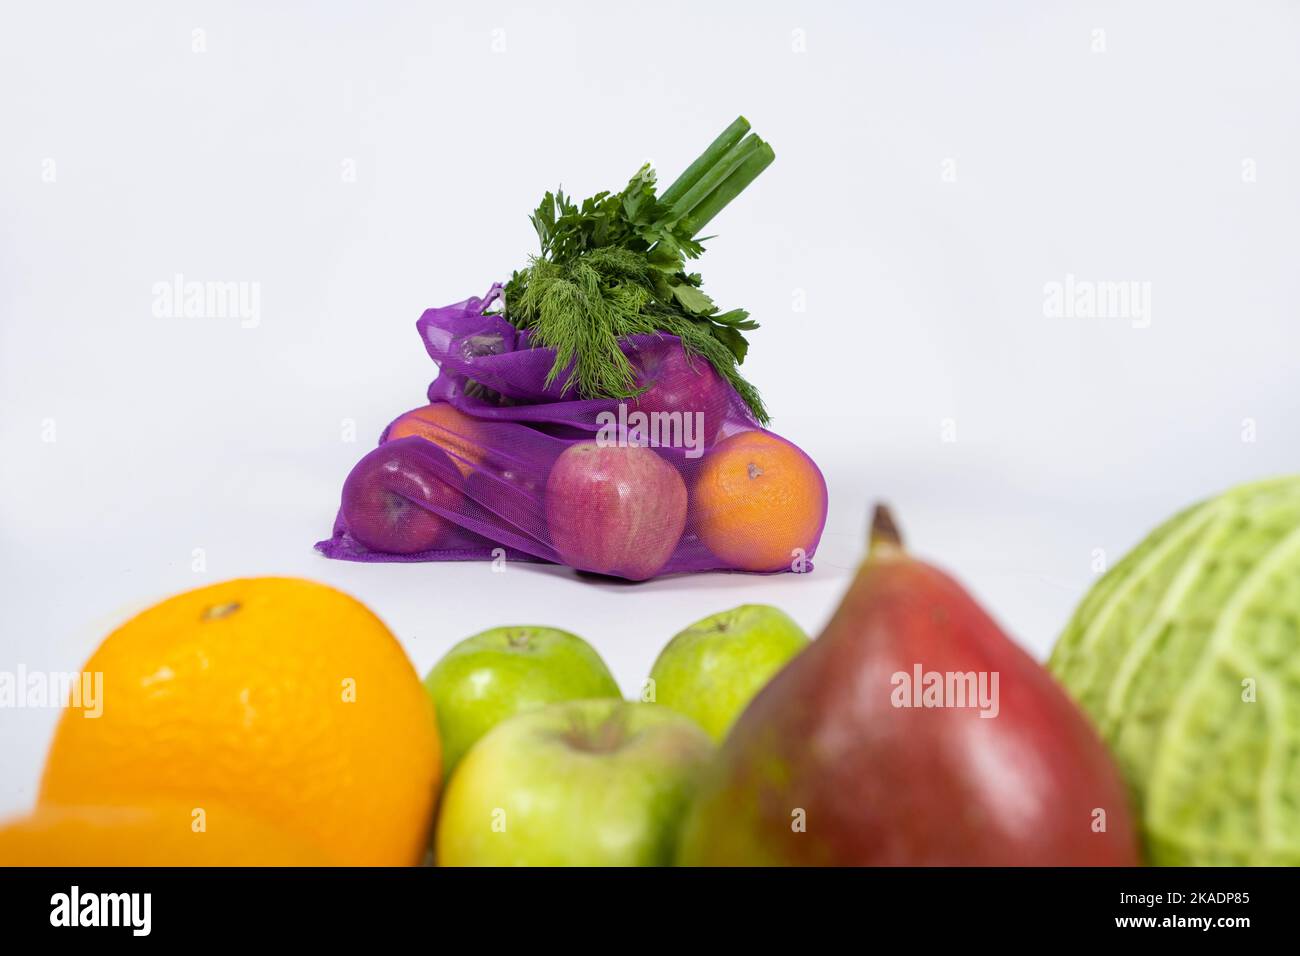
[615, 266]
[585, 308]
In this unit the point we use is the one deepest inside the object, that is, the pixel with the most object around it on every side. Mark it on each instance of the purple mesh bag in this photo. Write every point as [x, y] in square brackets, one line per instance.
[501, 464]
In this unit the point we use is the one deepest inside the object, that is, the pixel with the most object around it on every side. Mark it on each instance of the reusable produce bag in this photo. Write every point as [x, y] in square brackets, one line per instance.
[502, 464]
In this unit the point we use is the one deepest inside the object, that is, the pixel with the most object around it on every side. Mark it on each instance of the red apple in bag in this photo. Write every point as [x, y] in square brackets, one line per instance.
[390, 496]
[676, 383]
[614, 509]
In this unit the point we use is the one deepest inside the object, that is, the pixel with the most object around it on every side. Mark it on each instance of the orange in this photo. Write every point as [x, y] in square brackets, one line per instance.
[166, 834]
[447, 427]
[281, 698]
[758, 502]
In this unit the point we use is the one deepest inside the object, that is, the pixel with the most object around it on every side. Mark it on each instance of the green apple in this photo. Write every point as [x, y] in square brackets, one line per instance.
[711, 670]
[492, 675]
[582, 783]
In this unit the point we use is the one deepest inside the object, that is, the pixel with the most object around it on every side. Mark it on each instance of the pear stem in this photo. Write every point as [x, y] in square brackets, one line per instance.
[885, 539]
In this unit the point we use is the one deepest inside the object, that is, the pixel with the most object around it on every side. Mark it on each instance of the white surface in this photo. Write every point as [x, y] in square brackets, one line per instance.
[924, 297]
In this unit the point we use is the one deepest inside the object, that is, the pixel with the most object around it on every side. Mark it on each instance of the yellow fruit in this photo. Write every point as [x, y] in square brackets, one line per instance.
[281, 698]
[170, 834]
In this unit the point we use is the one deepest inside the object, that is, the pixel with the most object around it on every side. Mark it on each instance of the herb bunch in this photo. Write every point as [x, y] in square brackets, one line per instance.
[616, 265]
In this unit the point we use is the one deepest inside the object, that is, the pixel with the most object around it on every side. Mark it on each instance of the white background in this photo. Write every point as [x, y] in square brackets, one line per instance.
[924, 294]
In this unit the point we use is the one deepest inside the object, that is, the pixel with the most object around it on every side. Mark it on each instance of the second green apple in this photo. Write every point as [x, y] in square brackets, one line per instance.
[711, 670]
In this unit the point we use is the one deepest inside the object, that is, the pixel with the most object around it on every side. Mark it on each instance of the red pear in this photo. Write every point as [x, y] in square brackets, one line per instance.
[912, 732]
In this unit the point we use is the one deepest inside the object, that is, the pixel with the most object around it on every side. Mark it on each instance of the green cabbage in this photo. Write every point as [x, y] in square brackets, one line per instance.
[1187, 657]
